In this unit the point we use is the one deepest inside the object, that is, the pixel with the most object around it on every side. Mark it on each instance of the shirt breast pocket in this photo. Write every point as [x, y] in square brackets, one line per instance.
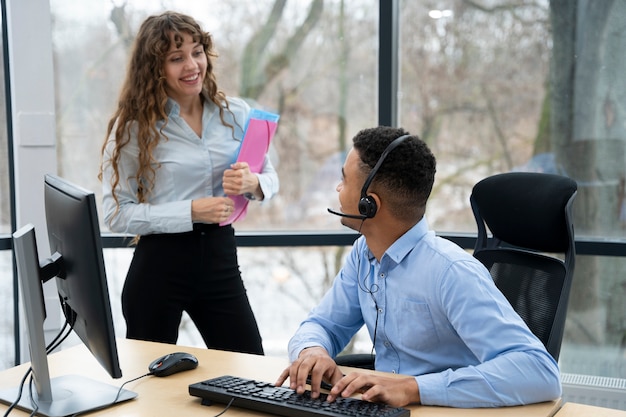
[415, 325]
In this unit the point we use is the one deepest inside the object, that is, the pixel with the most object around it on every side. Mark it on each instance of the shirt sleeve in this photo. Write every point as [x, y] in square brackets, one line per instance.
[336, 318]
[130, 216]
[514, 367]
[268, 179]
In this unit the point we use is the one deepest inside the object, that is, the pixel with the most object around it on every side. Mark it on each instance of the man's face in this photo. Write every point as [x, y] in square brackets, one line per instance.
[349, 189]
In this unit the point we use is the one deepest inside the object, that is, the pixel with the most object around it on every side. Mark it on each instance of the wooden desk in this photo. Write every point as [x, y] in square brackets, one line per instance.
[169, 396]
[582, 410]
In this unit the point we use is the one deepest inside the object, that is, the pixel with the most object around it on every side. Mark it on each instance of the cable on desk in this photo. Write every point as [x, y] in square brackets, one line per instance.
[19, 393]
[33, 402]
[227, 407]
[119, 391]
[55, 343]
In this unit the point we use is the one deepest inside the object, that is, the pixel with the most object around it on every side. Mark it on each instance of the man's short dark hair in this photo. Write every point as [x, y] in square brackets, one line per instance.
[406, 177]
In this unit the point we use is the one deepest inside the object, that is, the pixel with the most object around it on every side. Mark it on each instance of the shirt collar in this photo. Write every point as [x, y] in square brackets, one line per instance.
[401, 247]
[172, 108]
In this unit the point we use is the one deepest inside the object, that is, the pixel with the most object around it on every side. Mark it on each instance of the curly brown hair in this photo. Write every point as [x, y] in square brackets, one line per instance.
[143, 96]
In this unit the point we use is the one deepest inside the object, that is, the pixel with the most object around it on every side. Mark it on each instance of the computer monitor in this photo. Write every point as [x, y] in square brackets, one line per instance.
[77, 263]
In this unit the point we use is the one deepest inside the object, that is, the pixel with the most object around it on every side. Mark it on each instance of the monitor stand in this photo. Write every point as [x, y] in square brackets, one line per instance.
[71, 394]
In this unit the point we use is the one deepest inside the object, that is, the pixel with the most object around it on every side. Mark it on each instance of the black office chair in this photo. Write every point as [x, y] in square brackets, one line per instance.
[530, 253]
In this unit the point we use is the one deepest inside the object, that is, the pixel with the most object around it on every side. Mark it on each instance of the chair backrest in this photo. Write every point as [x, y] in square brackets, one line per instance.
[530, 252]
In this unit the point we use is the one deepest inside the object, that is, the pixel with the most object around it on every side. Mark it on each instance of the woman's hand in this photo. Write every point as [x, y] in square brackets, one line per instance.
[212, 209]
[240, 180]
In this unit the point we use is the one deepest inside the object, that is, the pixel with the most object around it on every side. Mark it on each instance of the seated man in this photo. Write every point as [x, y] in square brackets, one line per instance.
[432, 310]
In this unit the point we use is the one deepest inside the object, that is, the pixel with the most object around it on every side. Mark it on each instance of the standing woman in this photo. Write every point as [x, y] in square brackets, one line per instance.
[167, 173]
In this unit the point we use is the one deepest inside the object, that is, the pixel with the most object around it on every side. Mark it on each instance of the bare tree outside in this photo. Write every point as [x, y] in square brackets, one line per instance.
[589, 141]
[529, 86]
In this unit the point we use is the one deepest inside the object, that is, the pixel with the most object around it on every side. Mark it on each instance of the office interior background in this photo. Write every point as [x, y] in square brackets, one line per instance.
[491, 85]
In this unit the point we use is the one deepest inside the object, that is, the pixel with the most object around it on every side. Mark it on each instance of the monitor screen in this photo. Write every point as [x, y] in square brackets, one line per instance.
[77, 262]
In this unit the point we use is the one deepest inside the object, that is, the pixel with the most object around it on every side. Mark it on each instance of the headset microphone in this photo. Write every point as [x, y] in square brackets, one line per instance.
[350, 216]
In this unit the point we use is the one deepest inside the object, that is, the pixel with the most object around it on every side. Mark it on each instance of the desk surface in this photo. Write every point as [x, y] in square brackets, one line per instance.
[168, 396]
[582, 410]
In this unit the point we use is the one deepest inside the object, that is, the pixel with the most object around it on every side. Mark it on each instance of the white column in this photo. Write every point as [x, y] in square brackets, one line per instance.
[33, 116]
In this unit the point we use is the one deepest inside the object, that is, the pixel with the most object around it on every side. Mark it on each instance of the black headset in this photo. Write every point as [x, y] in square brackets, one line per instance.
[367, 205]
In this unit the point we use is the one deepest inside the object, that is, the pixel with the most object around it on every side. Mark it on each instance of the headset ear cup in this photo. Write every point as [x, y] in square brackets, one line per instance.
[367, 207]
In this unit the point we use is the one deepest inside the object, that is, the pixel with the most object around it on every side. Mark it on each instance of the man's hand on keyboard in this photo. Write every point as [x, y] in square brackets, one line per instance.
[396, 392]
[313, 362]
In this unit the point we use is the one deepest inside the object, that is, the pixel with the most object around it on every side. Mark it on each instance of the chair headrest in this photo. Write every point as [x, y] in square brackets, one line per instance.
[527, 209]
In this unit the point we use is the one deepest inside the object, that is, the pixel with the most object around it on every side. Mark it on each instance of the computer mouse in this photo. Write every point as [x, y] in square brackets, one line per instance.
[173, 363]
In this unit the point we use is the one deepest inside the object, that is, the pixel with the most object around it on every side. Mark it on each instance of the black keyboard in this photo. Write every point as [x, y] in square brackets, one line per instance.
[265, 397]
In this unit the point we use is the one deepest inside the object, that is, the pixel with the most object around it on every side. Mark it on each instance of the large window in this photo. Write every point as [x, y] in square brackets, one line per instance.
[472, 85]
[491, 86]
[534, 86]
[318, 70]
[325, 90]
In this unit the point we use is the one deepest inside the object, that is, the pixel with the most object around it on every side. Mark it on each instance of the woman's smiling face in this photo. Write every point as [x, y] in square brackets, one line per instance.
[185, 68]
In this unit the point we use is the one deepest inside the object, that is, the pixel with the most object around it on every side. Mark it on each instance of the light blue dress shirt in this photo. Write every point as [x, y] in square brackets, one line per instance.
[191, 167]
[436, 315]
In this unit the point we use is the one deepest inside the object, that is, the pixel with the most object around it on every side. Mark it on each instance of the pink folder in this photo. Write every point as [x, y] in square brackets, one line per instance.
[254, 146]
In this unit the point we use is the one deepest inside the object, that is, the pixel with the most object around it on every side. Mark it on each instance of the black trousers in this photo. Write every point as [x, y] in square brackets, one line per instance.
[196, 272]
